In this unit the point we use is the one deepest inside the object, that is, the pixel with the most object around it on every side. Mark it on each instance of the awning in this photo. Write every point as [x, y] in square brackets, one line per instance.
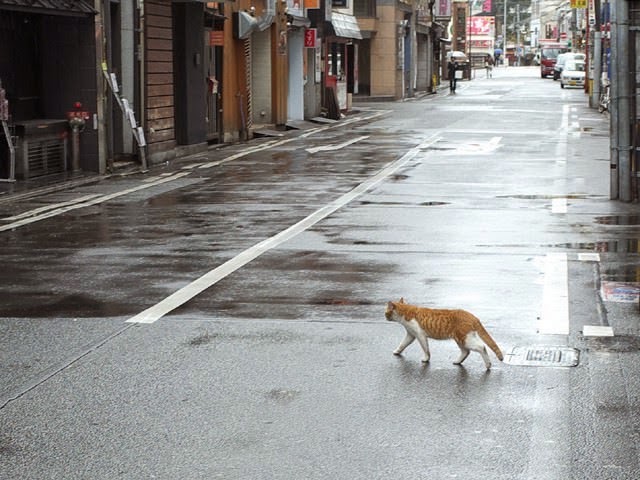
[50, 7]
[345, 25]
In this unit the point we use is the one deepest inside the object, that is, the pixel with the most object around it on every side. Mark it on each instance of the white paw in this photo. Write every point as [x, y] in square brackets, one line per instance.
[426, 359]
[397, 352]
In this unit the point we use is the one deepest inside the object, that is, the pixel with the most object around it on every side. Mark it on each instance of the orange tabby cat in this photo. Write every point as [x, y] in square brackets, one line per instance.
[459, 325]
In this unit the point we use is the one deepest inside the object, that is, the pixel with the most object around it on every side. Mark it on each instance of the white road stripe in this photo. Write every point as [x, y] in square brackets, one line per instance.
[559, 205]
[597, 331]
[90, 202]
[329, 148]
[210, 278]
[589, 257]
[554, 318]
[53, 206]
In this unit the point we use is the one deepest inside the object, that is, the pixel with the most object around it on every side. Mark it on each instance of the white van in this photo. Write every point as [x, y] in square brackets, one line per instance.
[562, 59]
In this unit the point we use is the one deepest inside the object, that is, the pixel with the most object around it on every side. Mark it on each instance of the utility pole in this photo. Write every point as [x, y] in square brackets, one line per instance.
[517, 26]
[504, 32]
[620, 125]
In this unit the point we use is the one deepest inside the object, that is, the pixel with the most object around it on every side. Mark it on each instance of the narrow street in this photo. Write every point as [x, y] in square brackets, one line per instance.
[223, 316]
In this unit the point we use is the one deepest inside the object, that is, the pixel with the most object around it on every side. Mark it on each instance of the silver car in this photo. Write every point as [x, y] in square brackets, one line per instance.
[572, 74]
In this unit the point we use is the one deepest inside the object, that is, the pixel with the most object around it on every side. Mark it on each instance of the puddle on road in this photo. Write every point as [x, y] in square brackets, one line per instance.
[571, 196]
[627, 220]
[405, 204]
[616, 344]
[67, 306]
[340, 302]
[399, 177]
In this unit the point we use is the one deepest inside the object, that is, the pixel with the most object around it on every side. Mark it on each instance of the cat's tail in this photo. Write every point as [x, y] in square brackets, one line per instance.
[491, 343]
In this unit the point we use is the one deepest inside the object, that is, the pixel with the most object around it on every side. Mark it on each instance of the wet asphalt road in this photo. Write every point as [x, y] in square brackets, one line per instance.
[222, 317]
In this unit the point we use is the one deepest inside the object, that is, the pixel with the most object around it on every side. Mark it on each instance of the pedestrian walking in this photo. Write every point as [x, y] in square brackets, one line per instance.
[488, 65]
[451, 69]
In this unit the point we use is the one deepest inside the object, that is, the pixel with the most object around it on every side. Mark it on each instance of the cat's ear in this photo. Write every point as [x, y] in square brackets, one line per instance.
[391, 306]
[401, 300]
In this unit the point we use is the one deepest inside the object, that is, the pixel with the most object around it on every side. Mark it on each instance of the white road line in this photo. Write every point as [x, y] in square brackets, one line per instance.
[246, 152]
[53, 206]
[329, 148]
[186, 293]
[597, 331]
[277, 143]
[90, 202]
[559, 205]
[554, 318]
[589, 257]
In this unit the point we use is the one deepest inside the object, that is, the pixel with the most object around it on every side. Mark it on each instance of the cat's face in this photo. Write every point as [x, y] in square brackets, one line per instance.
[391, 308]
[389, 311]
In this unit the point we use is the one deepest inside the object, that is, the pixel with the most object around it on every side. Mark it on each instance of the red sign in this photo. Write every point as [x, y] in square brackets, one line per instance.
[310, 37]
[481, 26]
[216, 38]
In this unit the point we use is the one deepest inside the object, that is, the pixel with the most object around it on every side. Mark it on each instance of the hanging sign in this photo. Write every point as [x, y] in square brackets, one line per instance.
[310, 37]
[592, 13]
[216, 38]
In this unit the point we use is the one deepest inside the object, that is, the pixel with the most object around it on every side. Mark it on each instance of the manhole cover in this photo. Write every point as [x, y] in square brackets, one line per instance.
[543, 356]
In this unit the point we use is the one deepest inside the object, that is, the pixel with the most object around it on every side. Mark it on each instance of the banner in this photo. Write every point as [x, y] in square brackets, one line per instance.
[481, 26]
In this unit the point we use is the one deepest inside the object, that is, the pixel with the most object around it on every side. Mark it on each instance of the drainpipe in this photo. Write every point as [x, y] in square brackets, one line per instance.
[613, 106]
[597, 68]
[623, 100]
[100, 88]
[140, 55]
[267, 17]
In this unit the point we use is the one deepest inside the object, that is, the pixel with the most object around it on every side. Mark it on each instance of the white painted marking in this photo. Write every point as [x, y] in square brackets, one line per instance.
[597, 331]
[186, 293]
[554, 318]
[478, 148]
[88, 203]
[53, 206]
[248, 151]
[589, 257]
[559, 205]
[564, 120]
[329, 148]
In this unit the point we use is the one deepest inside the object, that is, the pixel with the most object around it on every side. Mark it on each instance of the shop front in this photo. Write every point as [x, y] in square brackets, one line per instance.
[47, 69]
[341, 63]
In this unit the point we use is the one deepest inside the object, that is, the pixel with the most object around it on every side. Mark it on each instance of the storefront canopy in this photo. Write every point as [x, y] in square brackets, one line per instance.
[345, 25]
[50, 7]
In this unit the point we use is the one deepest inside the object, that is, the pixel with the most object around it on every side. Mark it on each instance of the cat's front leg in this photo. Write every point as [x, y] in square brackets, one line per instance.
[404, 344]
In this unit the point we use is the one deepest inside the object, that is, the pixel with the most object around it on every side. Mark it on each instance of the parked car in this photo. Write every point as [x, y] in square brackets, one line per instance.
[562, 59]
[572, 74]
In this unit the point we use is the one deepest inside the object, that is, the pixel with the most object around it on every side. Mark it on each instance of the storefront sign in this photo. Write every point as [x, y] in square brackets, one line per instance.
[216, 38]
[481, 26]
[310, 37]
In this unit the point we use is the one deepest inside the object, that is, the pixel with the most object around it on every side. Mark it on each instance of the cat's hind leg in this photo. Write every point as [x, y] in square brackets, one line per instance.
[464, 353]
[473, 342]
[404, 343]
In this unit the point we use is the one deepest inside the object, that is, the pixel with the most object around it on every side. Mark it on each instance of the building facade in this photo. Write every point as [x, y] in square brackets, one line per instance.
[157, 79]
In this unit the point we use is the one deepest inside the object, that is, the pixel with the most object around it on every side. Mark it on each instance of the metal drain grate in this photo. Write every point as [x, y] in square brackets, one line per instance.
[543, 356]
